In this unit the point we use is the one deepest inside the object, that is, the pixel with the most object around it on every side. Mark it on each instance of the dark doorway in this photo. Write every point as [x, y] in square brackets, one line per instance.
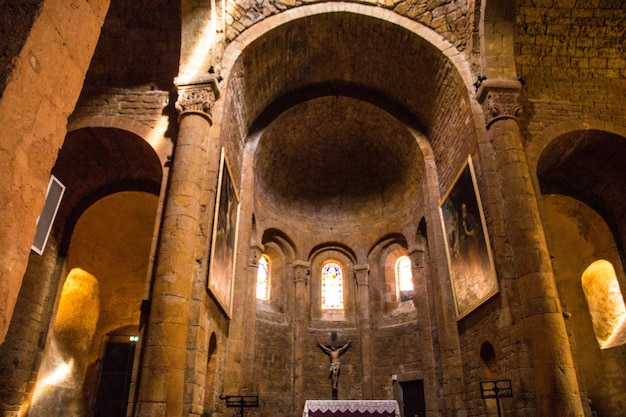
[413, 402]
[117, 366]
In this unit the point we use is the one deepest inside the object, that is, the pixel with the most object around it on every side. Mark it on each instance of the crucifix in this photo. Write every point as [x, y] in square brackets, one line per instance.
[334, 350]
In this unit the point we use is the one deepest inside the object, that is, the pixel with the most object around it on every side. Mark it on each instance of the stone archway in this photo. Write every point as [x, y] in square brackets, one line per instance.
[335, 131]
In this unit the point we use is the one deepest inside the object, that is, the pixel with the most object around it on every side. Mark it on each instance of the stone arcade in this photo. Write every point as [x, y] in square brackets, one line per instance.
[244, 179]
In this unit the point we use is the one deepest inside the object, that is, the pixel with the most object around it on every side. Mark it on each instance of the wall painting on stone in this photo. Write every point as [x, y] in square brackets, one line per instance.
[224, 238]
[470, 262]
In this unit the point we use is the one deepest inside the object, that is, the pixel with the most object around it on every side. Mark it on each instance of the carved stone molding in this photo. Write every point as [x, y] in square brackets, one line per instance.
[417, 259]
[500, 100]
[254, 256]
[301, 272]
[198, 96]
[362, 274]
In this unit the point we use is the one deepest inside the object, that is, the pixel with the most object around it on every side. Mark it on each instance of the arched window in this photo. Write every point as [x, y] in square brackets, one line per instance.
[404, 278]
[606, 304]
[332, 286]
[263, 278]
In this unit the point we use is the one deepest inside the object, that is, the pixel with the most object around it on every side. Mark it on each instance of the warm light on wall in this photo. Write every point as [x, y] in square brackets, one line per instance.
[203, 45]
[64, 363]
[156, 138]
[57, 373]
[606, 303]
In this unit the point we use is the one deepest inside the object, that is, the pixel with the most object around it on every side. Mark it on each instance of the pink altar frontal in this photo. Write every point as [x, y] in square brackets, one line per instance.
[351, 408]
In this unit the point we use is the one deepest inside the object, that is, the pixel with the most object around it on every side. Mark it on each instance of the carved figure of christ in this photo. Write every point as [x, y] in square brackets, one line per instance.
[334, 352]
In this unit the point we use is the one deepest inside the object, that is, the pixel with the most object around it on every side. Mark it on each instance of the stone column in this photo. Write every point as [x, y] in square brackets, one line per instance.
[162, 383]
[249, 326]
[301, 273]
[365, 329]
[539, 307]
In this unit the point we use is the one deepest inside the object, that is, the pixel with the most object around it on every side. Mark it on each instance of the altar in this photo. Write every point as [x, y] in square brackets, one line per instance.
[351, 408]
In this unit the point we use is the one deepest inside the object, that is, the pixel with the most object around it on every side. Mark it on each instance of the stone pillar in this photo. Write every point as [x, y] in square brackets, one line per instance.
[301, 273]
[365, 329]
[249, 325]
[540, 312]
[162, 383]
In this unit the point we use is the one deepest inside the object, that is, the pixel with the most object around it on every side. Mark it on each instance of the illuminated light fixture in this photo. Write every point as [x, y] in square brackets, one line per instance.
[134, 338]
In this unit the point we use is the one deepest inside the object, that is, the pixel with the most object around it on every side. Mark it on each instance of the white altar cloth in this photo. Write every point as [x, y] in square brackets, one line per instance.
[351, 408]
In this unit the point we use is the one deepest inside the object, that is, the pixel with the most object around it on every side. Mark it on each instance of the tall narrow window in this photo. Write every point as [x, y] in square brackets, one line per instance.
[606, 303]
[404, 278]
[332, 286]
[263, 279]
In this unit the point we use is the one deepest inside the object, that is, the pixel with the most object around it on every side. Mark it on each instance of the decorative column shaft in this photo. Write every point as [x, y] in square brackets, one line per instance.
[249, 334]
[552, 363]
[162, 384]
[301, 273]
[365, 329]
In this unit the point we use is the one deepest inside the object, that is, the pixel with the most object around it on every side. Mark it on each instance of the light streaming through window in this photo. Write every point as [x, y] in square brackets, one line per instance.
[404, 278]
[263, 279]
[606, 303]
[332, 286]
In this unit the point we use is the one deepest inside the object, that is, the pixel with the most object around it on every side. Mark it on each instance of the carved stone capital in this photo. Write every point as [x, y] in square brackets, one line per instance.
[197, 96]
[362, 274]
[417, 258]
[255, 255]
[301, 272]
[500, 100]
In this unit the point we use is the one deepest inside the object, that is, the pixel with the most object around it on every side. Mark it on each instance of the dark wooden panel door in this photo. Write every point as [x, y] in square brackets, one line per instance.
[414, 404]
[117, 366]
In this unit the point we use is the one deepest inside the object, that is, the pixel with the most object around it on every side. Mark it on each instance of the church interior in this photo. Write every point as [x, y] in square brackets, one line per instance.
[215, 208]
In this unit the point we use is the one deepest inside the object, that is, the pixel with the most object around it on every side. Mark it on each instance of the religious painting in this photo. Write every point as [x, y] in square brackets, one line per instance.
[224, 238]
[470, 262]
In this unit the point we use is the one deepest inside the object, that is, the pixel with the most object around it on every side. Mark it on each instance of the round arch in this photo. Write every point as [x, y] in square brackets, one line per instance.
[267, 102]
[153, 135]
[583, 160]
[235, 48]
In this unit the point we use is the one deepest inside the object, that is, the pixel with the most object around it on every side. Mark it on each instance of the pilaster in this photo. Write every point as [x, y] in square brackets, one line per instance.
[301, 274]
[365, 329]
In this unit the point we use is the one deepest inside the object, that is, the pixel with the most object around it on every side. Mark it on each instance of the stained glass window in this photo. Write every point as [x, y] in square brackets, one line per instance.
[404, 278]
[332, 286]
[263, 279]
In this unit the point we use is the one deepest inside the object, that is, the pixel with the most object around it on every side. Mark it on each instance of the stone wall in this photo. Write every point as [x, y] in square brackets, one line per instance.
[273, 366]
[18, 17]
[144, 105]
[22, 351]
[578, 237]
[35, 104]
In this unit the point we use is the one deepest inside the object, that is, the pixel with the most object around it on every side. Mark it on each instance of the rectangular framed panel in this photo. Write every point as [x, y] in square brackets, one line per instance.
[224, 238]
[470, 261]
[54, 194]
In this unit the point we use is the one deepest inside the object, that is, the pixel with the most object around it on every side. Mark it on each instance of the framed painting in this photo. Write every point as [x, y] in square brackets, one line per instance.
[470, 261]
[224, 238]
